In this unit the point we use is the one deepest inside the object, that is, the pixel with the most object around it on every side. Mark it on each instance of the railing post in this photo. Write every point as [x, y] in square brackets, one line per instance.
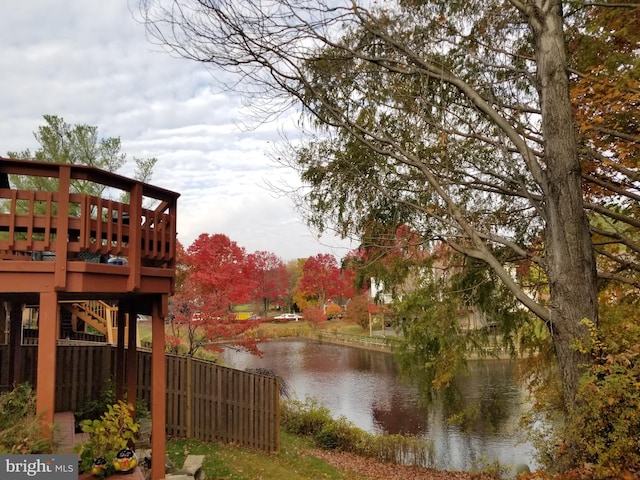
[12, 219]
[173, 234]
[60, 278]
[32, 201]
[135, 237]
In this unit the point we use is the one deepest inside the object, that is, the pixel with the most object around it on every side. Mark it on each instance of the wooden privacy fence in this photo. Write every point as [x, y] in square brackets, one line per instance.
[204, 401]
[214, 403]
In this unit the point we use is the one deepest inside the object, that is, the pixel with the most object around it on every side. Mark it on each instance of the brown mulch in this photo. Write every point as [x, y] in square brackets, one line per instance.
[376, 470]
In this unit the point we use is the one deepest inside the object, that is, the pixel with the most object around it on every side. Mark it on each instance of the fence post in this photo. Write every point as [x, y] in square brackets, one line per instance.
[189, 399]
[107, 367]
[276, 429]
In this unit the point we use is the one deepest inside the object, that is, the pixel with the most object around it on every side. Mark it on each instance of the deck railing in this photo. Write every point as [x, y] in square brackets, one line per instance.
[46, 221]
[66, 226]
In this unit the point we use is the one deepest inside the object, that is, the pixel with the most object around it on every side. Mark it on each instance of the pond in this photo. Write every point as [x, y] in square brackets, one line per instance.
[365, 387]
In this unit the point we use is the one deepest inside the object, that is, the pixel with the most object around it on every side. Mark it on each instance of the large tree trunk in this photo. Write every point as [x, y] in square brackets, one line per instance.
[571, 269]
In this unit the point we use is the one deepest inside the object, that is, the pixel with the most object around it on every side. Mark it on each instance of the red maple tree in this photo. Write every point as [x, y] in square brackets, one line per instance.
[323, 280]
[270, 278]
[215, 273]
[219, 266]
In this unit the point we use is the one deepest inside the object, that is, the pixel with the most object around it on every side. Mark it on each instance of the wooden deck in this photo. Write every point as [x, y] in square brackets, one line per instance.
[81, 245]
[65, 245]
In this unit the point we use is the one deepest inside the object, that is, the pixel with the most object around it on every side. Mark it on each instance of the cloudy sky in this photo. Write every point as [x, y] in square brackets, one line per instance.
[88, 61]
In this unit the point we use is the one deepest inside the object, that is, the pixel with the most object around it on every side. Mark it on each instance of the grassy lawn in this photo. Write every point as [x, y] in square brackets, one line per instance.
[280, 329]
[239, 463]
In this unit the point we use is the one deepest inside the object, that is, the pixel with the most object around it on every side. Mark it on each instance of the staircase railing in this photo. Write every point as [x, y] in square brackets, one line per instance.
[99, 315]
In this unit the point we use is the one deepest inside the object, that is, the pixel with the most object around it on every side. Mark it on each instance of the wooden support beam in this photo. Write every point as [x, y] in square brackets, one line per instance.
[158, 389]
[135, 253]
[132, 353]
[15, 340]
[47, 341]
[120, 355]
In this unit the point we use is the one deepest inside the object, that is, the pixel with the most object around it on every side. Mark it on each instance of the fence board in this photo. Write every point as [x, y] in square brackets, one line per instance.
[204, 401]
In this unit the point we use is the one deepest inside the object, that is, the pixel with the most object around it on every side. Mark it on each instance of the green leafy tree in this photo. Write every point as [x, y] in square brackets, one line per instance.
[78, 144]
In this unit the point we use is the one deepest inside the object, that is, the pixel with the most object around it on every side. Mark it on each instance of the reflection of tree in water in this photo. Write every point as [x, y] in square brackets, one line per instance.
[367, 360]
[485, 400]
[394, 415]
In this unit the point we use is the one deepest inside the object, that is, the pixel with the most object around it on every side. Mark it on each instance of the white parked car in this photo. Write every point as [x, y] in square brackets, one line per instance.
[288, 317]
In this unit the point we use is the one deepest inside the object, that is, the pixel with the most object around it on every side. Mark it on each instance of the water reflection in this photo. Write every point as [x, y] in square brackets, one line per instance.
[365, 387]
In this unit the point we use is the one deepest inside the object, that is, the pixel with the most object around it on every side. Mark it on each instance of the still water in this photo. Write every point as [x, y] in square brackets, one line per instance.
[365, 387]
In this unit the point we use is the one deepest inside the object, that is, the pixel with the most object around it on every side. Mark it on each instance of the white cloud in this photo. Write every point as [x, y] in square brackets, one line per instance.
[89, 61]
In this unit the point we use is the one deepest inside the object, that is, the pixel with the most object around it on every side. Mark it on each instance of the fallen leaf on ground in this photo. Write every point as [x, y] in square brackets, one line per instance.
[376, 470]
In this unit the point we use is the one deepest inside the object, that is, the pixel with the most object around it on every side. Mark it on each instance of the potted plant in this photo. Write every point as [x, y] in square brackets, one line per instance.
[106, 449]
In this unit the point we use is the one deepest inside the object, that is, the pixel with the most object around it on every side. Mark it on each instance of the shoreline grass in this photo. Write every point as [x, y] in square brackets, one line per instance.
[228, 462]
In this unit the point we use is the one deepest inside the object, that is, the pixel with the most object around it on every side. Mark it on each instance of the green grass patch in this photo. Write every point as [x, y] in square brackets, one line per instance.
[240, 463]
[245, 307]
[272, 330]
[350, 328]
[144, 331]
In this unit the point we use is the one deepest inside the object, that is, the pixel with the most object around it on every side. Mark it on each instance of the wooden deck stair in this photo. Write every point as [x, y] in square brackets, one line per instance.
[99, 315]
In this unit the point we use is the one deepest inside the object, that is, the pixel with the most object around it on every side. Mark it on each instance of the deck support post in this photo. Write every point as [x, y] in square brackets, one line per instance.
[15, 343]
[132, 354]
[47, 341]
[121, 320]
[158, 389]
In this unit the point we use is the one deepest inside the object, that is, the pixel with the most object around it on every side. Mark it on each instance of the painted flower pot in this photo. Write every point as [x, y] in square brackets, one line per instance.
[126, 460]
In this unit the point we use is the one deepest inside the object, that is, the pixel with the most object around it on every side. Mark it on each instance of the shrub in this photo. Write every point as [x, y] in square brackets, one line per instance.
[333, 311]
[340, 435]
[17, 403]
[400, 449]
[304, 418]
[358, 311]
[603, 431]
[93, 409]
[314, 315]
[310, 419]
[107, 436]
[21, 430]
